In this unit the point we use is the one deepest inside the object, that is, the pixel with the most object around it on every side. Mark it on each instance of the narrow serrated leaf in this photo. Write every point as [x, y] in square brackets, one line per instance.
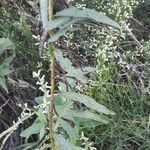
[88, 101]
[86, 114]
[88, 14]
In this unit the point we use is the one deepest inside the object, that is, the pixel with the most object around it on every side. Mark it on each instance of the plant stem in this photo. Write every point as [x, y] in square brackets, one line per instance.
[51, 110]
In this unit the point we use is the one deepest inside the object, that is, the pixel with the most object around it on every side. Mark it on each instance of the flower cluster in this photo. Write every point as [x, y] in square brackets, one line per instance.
[43, 86]
[86, 143]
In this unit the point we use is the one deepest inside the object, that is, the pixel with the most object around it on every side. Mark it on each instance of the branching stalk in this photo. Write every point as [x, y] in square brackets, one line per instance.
[51, 110]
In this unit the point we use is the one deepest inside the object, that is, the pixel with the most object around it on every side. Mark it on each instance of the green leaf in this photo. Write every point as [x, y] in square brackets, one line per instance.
[88, 14]
[88, 101]
[62, 22]
[62, 106]
[3, 84]
[86, 114]
[42, 132]
[78, 74]
[70, 130]
[24, 84]
[41, 116]
[71, 22]
[86, 123]
[87, 70]
[35, 128]
[63, 144]
[60, 33]
[66, 64]
[58, 22]
[62, 87]
[5, 44]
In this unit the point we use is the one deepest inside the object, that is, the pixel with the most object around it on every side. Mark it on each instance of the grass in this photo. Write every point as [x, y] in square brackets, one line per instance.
[128, 130]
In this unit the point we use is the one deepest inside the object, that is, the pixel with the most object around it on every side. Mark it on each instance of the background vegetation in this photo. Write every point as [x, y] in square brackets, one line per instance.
[121, 82]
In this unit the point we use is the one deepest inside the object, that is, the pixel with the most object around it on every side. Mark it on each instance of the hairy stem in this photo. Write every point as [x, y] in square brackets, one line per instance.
[51, 110]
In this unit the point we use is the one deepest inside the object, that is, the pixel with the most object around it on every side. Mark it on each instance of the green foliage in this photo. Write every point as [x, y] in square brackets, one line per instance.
[72, 72]
[72, 106]
[67, 118]
[87, 101]
[18, 29]
[96, 38]
[88, 14]
[62, 144]
[5, 66]
[121, 82]
[35, 128]
[128, 129]
[70, 16]
[5, 44]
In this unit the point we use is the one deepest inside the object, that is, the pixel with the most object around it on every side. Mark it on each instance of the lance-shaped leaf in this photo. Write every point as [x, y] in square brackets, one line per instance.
[72, 72]
[71, 22]
[64, 25]
[88, 14]
[58, 22]
[63, 144]
[88, 101]
[35, 128]
[60, 33]
[71, 131]
[86, 114]
[64, 62]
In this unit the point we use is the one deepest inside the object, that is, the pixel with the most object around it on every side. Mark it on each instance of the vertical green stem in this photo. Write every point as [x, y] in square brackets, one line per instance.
[51, 110]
